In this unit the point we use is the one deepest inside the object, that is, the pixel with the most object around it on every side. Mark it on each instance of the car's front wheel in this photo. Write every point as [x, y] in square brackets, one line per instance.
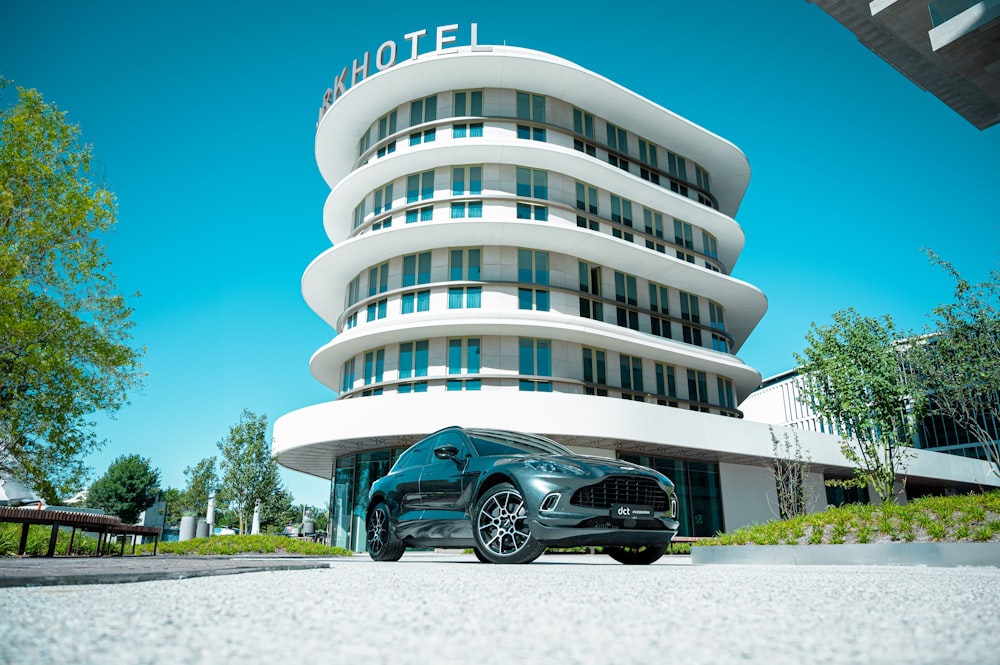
[501, 527]
[383, 545]
[636, 556]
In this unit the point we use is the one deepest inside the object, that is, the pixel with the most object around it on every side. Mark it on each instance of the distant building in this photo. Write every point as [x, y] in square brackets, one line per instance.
[950, 48]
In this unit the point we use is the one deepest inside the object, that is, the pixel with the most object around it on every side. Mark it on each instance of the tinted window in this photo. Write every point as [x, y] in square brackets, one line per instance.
[495, 442]
[415, 455]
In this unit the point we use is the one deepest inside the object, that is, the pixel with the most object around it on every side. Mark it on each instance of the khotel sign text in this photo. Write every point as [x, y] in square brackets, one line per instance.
[386, 56]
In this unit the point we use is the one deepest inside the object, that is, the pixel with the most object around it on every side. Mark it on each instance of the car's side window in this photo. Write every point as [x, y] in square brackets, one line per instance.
[416, 455]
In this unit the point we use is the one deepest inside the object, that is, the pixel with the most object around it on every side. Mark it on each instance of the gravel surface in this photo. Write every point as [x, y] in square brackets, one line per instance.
[446, 608]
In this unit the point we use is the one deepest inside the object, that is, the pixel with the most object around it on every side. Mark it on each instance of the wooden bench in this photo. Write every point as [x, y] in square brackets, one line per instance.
[103, 525]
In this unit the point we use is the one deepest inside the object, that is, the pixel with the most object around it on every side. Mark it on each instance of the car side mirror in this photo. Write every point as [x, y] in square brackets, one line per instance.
[446, 452]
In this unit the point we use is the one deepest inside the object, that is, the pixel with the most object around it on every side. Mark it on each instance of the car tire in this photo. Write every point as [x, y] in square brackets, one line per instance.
[479, 555]
[636, 556]
[500, 527]
[383, 545]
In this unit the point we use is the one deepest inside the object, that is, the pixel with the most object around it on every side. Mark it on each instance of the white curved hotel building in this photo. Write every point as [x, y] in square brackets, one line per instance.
[520, 243]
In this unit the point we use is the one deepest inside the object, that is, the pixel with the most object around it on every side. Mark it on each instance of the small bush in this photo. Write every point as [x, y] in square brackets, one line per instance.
[242, 544]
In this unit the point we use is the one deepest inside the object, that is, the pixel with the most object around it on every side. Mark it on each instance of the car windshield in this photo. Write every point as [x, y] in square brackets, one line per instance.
[490, 442]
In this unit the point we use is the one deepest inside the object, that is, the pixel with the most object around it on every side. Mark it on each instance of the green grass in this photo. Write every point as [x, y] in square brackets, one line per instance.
[227, 545]
[38, 540]
[966, 518]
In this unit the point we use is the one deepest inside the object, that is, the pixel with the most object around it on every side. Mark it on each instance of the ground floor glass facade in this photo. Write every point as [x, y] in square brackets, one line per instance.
[353, 477]
[699, 493]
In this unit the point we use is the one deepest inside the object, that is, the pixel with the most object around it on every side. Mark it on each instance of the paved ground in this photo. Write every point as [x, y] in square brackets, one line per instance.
[446, 608]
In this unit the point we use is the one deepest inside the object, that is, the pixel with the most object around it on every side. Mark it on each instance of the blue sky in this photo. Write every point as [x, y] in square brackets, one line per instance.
[202, 117]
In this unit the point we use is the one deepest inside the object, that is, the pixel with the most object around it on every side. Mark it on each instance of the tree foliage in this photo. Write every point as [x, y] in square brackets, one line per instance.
[249, 472]
[853, 377]
[65, 348]
[277, 510]
[129, 486]
[957, 364]
[201, 482]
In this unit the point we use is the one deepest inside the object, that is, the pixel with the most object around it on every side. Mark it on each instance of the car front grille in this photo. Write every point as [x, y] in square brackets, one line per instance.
[622, 490]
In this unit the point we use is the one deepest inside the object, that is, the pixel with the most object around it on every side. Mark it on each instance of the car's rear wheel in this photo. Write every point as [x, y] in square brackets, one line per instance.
[383, 545]
[501, 527]
[636, 556]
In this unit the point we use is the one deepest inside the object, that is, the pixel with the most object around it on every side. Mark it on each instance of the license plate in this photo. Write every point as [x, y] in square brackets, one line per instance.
[629, 511]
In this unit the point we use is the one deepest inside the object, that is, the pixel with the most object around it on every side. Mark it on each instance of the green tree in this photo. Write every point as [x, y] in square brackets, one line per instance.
[65, 348]
[957, 364]
[175, 509]
[129, 486]
[201, 482]
[249, 472]
[853, 377]
[278, 509]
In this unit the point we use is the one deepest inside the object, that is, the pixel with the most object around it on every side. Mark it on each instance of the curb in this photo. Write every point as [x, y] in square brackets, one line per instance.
[873, 554]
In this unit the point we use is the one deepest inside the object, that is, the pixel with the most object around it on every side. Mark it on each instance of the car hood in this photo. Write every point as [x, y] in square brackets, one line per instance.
[596, 467]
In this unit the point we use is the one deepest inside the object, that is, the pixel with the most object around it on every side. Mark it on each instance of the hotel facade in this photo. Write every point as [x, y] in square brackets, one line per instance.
[520, 243]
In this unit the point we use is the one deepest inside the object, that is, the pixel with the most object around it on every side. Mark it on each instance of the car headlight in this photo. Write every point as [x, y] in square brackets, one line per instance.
[550, 466]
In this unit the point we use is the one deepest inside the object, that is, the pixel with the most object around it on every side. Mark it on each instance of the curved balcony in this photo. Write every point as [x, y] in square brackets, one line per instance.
[540, 73]
[743, 303]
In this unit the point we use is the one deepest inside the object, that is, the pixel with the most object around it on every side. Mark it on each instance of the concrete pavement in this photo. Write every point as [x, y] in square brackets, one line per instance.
[446, 608]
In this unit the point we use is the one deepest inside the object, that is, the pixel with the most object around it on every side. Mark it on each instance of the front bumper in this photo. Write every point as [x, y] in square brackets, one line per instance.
[584, 536]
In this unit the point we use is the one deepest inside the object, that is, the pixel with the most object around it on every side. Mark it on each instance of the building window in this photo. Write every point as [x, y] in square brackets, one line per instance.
[374, 365]
[533, 184]
[532, 268]
[684, 237]
[347, 377]
[677, 167]
[419, 187]
[421, 111]
[689, 313]
[583, 123]
[654, 227]
[586, 201]
[697, 390]
[626, 292]
[631, 377]
[464, 358]
[534, 360]
[726, 399]
[382, 199]
[590, 283]
[464, 266]
[386, 128]
[710, 245]
[595, 372]
[467, 181]
[586, 198]
[701, 178]
[617, 142]
[647, 155]
[659, 323]
[413, 364]
[719, 340]
[353, 291]
[416, 270]
[468, 103]
[666, 384]
[378, 282]
[621, 213]
[360, 211]
[530, 107]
